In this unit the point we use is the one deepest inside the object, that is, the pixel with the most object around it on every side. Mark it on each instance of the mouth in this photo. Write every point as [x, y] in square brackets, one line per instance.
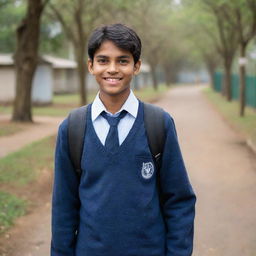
[112, 79]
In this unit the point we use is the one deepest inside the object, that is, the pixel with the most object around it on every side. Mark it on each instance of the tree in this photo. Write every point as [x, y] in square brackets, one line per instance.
[202, 46]
[78, 18]
[214, 24]
[26, 59]
[10, 16]
[149, 21]
[241, 14]
[52, 38]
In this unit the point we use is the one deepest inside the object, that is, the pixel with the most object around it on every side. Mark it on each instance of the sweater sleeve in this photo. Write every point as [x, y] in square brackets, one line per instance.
[178, 196]
[65, 200]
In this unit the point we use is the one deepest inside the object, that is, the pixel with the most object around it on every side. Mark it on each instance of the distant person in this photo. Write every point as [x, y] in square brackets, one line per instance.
[117, 206]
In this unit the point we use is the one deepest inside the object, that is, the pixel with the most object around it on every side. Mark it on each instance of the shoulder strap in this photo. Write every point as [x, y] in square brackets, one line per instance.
[76, 132]
[155, 129]
[154, 124]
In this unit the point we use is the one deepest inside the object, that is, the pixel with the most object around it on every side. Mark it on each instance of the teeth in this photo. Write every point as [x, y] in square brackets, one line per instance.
[113, 79]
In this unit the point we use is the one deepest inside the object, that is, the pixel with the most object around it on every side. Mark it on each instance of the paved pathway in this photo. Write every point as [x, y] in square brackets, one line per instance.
[44, 126]
[222, 171]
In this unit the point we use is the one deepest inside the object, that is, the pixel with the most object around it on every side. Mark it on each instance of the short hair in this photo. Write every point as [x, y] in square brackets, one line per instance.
[122, 36]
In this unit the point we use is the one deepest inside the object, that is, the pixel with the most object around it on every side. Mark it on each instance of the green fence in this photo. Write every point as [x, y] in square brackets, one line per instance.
[250, 93]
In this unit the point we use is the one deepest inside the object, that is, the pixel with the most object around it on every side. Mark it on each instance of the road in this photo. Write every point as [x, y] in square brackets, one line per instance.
[222, 171]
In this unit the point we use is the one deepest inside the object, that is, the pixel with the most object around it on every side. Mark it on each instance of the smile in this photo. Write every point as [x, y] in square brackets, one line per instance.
[112, 79]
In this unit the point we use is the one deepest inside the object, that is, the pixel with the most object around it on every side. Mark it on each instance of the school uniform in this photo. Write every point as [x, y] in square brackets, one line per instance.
[113, 209]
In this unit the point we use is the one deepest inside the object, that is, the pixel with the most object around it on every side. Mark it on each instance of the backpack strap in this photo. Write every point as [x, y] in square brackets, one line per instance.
[154, 124]
[76, 132]
[155, 130]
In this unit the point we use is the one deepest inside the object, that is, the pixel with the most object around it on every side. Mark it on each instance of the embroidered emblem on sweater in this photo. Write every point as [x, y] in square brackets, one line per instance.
[147, 170]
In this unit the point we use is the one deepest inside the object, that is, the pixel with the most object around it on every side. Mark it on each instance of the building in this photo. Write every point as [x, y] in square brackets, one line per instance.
[42, 88]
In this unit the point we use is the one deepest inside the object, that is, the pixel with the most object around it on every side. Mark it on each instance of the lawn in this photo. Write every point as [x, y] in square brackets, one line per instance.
[11, 207]
[230, 110]
[8, 128]
[20, 171]
[62, 104]
[21, 167]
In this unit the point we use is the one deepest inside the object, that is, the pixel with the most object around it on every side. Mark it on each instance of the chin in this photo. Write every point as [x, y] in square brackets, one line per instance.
[115, 91]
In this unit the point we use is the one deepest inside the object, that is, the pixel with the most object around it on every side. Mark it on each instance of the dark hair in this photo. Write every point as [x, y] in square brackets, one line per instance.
[122, 36]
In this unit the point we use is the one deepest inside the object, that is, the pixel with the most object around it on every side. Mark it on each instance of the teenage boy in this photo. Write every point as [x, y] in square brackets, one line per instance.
[113, 208]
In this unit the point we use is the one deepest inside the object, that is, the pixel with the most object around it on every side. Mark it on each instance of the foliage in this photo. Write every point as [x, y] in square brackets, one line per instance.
[52, 39]
[10, 15]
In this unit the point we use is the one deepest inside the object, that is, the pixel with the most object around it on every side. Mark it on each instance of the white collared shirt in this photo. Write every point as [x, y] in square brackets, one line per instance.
[101, 125]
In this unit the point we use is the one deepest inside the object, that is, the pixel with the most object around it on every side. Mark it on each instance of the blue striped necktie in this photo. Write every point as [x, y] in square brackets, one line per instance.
[112, 141]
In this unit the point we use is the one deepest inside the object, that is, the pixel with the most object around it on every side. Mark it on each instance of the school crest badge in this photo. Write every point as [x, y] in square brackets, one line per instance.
[147, 170]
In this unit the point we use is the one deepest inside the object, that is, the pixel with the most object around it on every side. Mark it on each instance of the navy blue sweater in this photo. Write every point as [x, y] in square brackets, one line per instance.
[114, 209]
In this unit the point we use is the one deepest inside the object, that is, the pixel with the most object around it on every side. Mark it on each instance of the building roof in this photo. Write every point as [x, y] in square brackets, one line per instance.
[59, 62]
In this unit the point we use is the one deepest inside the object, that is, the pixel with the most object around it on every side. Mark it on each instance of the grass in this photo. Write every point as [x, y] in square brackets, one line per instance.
[9, 128]
[62, 104]
[21, 167]
[18, 170]
[11, 207]
[149, 94]
[230, 111]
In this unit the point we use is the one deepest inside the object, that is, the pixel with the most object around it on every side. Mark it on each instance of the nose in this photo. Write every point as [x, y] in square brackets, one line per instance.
[112, 68]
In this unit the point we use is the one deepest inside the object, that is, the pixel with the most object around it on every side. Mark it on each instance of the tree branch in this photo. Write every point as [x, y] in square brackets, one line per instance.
[68, 31]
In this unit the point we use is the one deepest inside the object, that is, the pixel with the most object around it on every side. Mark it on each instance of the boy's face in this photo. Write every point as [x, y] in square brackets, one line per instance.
[113, 69]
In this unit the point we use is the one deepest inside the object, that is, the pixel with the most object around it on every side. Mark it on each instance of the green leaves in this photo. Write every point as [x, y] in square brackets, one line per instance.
[10, 15]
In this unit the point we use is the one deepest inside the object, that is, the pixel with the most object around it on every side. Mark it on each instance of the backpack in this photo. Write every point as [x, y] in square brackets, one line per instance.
[154, 125]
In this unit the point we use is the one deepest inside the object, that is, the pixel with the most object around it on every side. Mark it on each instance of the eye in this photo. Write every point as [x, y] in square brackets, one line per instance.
[102, 61]
[123, 61]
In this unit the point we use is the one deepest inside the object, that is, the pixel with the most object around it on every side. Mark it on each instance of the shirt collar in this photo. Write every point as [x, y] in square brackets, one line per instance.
[131, 105]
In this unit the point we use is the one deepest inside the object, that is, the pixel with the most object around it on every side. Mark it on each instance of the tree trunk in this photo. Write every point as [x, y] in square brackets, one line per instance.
[154, 76]
[26, 59]
[168, 75]
[227, 80]
[242, 71]
[211, 73]
[82, 72]
[211, 67]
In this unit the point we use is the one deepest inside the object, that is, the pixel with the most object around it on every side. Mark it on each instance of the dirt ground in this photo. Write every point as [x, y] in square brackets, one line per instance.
[222, 170]
[42, 127]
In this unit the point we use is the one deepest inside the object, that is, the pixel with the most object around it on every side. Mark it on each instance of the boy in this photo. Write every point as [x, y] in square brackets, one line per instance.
[113, 208]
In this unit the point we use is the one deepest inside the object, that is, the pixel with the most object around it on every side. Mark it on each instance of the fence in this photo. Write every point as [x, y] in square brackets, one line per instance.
[250, 92]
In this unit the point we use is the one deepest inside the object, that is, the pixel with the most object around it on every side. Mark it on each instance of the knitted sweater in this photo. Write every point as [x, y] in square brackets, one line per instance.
[113, 209]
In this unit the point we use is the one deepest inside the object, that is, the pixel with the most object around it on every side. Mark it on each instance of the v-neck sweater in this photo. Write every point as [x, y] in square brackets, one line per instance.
[113, 209]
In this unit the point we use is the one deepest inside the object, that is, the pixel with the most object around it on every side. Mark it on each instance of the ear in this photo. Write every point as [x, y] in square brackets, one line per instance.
[137, 67]
[90, 66]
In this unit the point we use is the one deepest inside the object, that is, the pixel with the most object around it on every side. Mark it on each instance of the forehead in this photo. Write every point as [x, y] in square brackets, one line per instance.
[109, 49]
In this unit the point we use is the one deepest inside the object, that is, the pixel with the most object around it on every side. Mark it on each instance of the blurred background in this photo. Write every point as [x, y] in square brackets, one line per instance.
[198, 63]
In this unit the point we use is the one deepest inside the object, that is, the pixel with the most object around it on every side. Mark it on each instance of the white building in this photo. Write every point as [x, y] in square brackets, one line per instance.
[42, 83]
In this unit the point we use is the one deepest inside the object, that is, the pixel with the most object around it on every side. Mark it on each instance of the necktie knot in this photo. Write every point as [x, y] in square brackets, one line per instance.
[112, 141]
[114, 120]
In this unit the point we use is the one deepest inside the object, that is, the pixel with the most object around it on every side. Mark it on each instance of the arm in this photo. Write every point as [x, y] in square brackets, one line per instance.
[65, 201]
[179, 198]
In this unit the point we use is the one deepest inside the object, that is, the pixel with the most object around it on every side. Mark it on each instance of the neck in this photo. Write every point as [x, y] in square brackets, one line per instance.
[113, 103]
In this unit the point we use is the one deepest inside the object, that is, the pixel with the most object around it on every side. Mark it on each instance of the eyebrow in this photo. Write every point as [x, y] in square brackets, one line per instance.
[119, 57]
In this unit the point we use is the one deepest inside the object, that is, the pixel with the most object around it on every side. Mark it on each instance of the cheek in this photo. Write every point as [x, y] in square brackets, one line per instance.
[97, 70]
[129, 71]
